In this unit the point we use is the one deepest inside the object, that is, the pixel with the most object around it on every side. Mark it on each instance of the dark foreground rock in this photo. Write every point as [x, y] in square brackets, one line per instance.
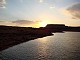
[10, 36]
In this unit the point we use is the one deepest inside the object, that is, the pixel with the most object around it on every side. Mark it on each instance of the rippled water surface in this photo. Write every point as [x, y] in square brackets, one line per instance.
[60, 46]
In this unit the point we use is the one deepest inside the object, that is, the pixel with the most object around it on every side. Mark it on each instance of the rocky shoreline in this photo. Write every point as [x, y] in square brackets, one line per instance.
[13, 35]
[10, 36]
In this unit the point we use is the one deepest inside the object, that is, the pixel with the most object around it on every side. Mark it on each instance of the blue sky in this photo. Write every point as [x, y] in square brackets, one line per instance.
[38, 11]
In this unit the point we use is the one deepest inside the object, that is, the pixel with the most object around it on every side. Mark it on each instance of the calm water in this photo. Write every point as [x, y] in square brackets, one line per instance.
[60, 46]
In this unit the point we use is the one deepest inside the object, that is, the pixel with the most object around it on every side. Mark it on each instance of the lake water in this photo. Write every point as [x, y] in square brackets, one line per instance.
[60, 46]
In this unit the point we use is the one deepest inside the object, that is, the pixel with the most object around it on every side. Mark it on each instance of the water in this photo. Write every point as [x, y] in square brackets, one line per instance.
[60, 46]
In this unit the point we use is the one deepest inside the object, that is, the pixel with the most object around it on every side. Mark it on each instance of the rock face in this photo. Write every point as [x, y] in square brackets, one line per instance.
[55, 27]
[61, 28]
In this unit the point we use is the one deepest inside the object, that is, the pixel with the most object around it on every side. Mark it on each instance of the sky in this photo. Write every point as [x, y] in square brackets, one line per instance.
[38, 13]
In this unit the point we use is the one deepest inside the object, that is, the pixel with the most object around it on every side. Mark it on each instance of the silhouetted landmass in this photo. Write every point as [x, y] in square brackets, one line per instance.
[12, 35]
[61, 28]
[55, 27]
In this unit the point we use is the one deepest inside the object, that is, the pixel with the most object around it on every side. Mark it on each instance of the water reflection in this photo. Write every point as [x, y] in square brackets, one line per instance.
[42, 49]
[61, 46]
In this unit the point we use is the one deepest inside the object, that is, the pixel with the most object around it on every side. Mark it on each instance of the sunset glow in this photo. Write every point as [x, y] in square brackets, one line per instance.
[43, 24]
[26, 12]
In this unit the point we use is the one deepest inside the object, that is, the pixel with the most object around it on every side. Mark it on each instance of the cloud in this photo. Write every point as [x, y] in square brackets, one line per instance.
[75, 11]
[2, 22]
[23, 22]
[26, 23]
[51, 7]
[2, 3]
[41, 1]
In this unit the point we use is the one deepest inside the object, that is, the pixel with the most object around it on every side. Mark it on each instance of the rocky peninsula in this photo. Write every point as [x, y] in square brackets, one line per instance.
[12, 35]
